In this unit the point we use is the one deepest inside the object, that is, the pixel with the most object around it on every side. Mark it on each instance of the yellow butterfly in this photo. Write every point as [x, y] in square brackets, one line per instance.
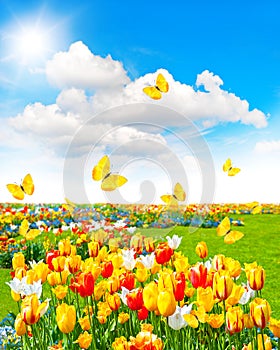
[223, 229]
[227, 167]
[255, 207]
[155, 91]
[70, 206]
[172, 199]
[102, 172]
[18, 191]
[26, 232]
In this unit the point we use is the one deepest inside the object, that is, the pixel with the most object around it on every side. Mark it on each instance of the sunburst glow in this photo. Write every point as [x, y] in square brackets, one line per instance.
[32, 44]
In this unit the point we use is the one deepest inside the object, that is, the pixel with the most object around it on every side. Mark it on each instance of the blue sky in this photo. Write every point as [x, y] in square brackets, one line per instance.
[222, 63]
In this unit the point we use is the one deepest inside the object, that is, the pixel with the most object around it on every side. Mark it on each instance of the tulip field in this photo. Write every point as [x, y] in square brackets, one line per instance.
[128, 277]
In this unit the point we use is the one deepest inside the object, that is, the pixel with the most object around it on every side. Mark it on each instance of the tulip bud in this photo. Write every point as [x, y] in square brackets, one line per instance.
[19, 325]
[256, 278]
[166, 303]
[150, 295]
[260, 312]
[66, 317]
[201, 250]
[18, 260]
[222, 285]
[234, 319]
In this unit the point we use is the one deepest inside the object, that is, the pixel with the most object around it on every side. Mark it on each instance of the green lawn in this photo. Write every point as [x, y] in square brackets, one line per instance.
[260, 243]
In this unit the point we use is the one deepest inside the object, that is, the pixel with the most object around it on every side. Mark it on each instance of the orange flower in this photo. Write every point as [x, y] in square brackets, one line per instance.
[123, 317]
[274, 326]
[84, 340]
[120, 344]
[84, 323]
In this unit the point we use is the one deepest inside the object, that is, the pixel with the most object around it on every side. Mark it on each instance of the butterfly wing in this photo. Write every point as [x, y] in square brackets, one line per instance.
[224, 227]
[233, 171]
[113, 181]
[24, 226]
[152, 92]
[256, 210]
[161, 83]
[227, 165]
[28, 185]
[166, 198]
[179, 192]
[171, 201]
[233, 236]
[101, 169]
[16, 191]
[70, 206]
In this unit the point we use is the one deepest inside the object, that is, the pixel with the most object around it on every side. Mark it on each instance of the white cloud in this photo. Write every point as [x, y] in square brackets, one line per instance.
[267, 146]
[80, 68]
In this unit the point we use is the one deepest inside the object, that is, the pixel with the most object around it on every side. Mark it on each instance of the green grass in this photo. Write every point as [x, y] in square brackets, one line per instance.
[260, 243]
[6, 302]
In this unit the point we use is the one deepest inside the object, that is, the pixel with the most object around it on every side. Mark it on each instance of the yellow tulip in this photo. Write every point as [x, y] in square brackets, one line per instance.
[100, 289]
[59, 263]
[205, 298]
[60, 291]
[216, 320]
[256, 278]
[16, 297]
[201, 250]
[84, 323]
[234, 319]
[64, 246]
[66, 317]
[123, 317]
[93, 249]
[260, 312]
[41, 269]
[141, 275]
[84, 340]
[166, 303]
[20, 325]
[73, 262]
[274, 326]
[54, 278]
[32, 310]
[120, 344]
[235, 295]
[222, 285]
[18, 260]
[114, 301]
[267, 343]
[233, 266]
[150, 295]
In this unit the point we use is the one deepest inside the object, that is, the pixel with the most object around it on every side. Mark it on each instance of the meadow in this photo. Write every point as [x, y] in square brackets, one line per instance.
[259, 244]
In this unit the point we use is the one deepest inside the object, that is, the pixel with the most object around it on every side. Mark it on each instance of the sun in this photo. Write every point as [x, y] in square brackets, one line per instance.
[32, 44]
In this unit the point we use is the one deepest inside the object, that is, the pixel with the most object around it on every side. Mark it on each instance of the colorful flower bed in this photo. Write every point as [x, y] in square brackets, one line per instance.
[105, 286]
